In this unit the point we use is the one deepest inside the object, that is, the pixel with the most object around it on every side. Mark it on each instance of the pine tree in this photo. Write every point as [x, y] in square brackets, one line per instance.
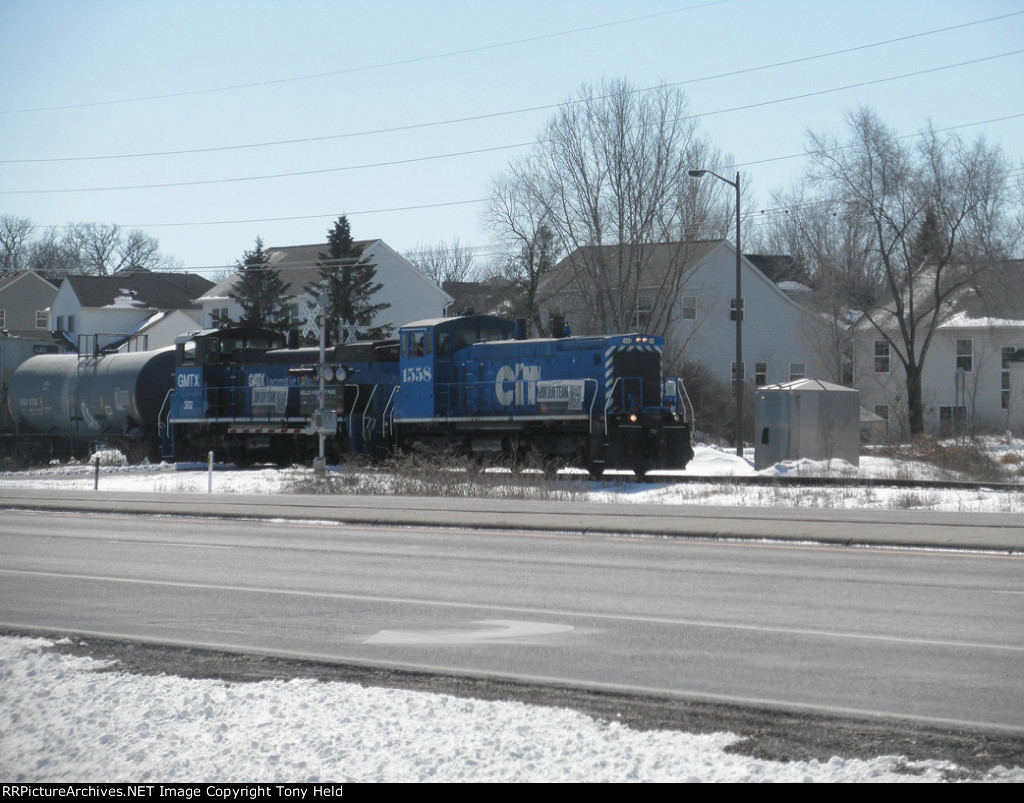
[260, 291]
[348, 280]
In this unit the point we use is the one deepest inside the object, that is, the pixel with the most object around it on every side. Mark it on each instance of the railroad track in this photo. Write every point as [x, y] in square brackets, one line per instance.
[811, 482]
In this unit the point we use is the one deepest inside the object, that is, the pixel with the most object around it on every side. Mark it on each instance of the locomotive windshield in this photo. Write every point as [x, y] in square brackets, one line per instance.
[639, 375]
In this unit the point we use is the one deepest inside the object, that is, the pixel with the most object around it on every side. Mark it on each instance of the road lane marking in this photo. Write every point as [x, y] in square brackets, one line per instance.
[497, 631]
[546, 612]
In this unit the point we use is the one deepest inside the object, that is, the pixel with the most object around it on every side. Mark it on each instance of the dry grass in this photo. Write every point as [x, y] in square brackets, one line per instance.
[967, 460]
[445, 474]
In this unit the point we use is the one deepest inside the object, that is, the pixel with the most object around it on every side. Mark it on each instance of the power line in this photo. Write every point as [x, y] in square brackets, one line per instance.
[507, 113]
[364, 68]
[200, 182]
[417, 207]
[857, 85]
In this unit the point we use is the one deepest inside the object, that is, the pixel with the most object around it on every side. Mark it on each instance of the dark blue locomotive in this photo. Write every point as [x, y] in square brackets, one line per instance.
[465, 383]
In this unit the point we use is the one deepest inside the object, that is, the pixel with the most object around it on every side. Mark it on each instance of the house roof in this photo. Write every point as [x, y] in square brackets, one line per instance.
[993, 297]
[140, 289]
[808, 385]
[780, 268]
[296, 266]
[7, 279]
[659, 259]
[493, 296]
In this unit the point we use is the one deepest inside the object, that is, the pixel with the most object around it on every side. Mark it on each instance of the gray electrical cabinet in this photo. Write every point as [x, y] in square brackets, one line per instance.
[806, 418]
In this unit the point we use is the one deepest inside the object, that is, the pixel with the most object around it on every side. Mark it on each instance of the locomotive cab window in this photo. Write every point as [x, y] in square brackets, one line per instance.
[416, 344]
[187, 353]
[211, 351]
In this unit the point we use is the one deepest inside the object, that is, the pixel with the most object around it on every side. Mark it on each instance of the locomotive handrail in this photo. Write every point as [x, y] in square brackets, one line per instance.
[691, 420]
[353, 410]
[364, 428]
[388, 424]
[593, 401]
[164, 414]
[608, 399]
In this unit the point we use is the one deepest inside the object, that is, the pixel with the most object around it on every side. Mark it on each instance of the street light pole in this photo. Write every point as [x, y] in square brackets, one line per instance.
[739, 308]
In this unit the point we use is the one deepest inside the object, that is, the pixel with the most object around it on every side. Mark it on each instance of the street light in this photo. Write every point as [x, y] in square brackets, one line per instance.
[739, 309]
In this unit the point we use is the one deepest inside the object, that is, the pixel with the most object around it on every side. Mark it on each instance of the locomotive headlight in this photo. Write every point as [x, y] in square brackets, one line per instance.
[328, 374]
[632, 418]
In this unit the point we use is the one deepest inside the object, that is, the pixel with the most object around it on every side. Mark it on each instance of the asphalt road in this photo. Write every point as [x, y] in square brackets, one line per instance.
[933, 636]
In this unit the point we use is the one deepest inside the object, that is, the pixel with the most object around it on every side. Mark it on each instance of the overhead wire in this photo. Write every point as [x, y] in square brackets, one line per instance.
[364, 68]
[511, 112]
[293, 174]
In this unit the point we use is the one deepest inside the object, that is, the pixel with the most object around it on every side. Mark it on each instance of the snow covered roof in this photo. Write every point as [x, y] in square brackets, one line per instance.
[813, 385]
[992, 297]
[140, 289]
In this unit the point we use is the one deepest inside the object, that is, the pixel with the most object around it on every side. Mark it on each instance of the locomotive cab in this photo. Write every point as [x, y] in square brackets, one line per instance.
[428, 350]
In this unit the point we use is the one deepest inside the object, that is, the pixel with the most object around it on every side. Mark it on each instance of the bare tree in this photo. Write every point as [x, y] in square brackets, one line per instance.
[524, 229]
[831, 243]
[103, 249]
[608, 177]
[15, 240]
[937, 212]
[444, 262]
[49, 256]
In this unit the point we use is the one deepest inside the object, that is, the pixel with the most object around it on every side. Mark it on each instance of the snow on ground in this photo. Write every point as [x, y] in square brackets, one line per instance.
[61, 720]
[708, 461]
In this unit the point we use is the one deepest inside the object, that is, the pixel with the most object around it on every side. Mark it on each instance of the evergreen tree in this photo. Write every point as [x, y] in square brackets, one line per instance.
[260, 291]
[348, 280]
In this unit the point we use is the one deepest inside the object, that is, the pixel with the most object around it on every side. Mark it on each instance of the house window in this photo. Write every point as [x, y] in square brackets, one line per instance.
[881, 356]
[1005, 354]
[965, 355]
[293, 314]
[219, 317]
[760, 373]
[797, 370]
[743, 373]
[951, 419]
[642, 313]
[882, 411]
[689, 308]
[71, 323]
[60, 323]
[3, 318]
[42, 319]
[732, 309]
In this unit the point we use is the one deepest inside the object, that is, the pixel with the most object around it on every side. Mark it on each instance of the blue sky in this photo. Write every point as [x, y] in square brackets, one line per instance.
[114, 79]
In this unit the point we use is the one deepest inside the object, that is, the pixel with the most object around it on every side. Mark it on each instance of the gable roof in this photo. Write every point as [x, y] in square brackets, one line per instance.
[141, 289]
[992, 297]
[659, 259]
[296, 265]
[7, 279]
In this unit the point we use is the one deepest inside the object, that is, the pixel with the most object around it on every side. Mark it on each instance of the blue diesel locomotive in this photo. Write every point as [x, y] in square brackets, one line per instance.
[465, 383]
